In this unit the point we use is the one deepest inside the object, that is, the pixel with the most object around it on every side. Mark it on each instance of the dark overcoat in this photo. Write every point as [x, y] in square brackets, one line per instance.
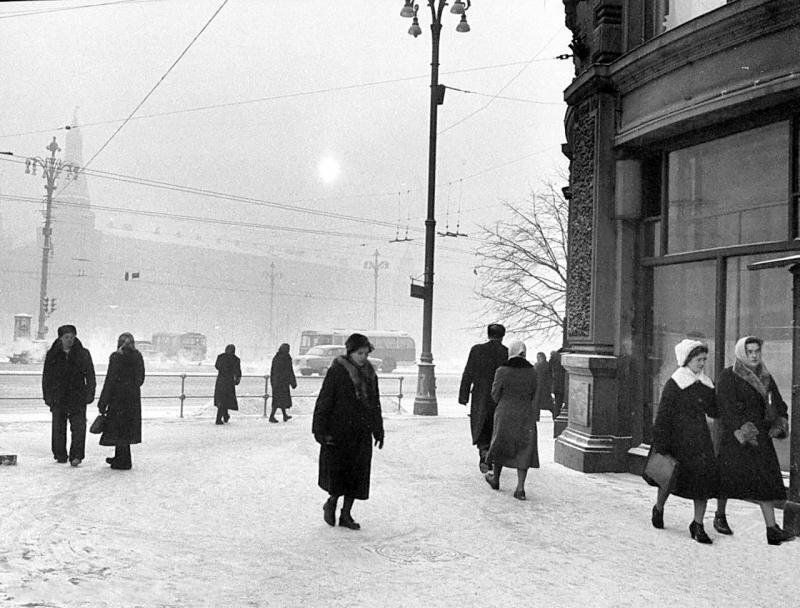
[121, 398]
[544, 386]
[477, 379]
[230, 373]
[747, 471]
[68, 380]
[282, 378]
[514, 436]
[345, 425]
[681, 431]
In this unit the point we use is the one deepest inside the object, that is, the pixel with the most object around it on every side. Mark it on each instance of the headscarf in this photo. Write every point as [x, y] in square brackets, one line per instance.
[517, 349]
[230, 349]
[759, 377]
[125, 342]
[683, 376]
[284, 348]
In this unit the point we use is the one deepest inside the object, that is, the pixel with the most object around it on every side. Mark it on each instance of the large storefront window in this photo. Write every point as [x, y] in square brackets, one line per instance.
[729, 191]
[759, 303]
[683, 306]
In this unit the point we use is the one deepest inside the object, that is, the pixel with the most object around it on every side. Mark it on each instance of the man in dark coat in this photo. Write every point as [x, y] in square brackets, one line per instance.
[230, 374]
[282, 378]
[68, 385]
[483, 361]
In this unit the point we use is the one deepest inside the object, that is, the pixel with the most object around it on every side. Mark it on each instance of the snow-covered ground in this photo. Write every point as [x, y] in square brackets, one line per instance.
[231, 516]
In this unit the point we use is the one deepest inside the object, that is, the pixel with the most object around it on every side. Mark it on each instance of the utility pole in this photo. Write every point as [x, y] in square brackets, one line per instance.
[51, 169]
[377, 267]
[272, 276]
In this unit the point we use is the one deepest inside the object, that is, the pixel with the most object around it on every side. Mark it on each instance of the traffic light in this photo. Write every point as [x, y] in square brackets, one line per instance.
[126, 275]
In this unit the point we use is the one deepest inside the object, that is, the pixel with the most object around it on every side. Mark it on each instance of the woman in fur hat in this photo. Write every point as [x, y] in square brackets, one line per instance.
[753, 414]
[514, 436]
[347, 417]
[681, 431]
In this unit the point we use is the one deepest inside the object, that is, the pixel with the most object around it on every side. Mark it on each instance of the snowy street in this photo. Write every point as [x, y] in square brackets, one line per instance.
[231, 516]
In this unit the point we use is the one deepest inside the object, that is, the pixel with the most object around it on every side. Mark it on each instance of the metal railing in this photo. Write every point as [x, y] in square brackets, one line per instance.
[183, 396]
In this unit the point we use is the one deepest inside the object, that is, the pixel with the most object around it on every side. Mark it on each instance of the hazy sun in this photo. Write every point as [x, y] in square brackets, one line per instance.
[328, 169]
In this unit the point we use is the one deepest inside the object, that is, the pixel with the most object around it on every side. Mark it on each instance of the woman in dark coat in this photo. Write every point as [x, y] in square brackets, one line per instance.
[514, 437]
[121, 401]
[347, 417]
[753, 413]
[544, 385]
[230, 373]
[281, 377]
[681, 431]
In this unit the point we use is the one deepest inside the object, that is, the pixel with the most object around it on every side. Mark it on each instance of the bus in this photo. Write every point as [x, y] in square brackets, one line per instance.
[393, 348]
[189, 346]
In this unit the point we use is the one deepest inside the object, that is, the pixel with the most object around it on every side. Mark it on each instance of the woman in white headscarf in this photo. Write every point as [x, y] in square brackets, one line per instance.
[514, 436]
[753, 413]
[681, 431]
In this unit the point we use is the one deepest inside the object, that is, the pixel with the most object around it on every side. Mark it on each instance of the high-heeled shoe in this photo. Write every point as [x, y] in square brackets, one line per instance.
[494, 483]
[346, 521]
[329, 512]
[721, 523]
[699, 534]
[776, 535]
[657, 518]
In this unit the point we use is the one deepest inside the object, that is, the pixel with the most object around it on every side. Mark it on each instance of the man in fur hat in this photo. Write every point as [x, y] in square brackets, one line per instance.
[68, 385]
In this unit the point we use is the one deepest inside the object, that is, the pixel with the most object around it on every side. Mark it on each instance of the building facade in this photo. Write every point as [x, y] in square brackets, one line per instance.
[683, 127]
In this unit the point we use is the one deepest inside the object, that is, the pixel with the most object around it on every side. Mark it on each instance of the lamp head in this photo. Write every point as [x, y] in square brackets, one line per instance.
[463, 26]
[415, 30]
[458, 8]
[408, 10]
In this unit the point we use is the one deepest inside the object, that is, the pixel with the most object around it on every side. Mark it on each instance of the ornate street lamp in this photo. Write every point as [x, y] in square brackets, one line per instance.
[51, 168]
[425, 402]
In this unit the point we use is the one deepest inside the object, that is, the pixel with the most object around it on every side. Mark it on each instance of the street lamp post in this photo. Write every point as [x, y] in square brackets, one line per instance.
[375, 266]
[425, 401]
[51, 169]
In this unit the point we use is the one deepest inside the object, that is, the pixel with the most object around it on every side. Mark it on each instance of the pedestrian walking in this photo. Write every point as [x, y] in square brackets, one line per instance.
[544, 385]
[68, 386]
[282, 379]
[681, 431]
[121, 402]
[347, 416]
[753, 414]
[514, 436]
[476, 383]
[558, 373]
[229, 374]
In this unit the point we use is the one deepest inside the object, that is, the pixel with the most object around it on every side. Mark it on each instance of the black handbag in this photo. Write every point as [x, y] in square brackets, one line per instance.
[98, 425]
[660, 470]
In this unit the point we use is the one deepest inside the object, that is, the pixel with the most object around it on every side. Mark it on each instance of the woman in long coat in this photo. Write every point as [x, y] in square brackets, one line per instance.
[681, 431]
[514, 437]
[544, 385]
[121, 401]
[347, 416]
[229, 374]
[281, 377]
[753, 413]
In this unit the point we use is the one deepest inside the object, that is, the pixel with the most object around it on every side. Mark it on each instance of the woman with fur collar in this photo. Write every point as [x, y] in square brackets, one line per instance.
[514, 436]
[347, 416]
[681, 431]
[753, 413]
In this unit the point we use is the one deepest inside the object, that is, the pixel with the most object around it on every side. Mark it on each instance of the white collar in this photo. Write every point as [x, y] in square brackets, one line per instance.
[684, 378]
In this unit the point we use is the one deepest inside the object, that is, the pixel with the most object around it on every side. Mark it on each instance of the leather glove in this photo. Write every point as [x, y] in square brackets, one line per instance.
[780, 428]
[746, 434]
[379, 439]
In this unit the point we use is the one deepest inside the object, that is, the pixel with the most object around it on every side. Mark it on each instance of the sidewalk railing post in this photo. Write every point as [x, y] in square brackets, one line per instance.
[183, 392]
[400, 396]
[266, 393]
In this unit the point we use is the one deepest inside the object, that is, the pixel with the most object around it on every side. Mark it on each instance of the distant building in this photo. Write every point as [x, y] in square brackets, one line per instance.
[683, 129]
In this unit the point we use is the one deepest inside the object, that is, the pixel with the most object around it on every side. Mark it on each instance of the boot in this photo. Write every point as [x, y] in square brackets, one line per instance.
[721, 523]
[346, 521]
[657, 518]
[776, 536]
[699, 534]
[286, 417]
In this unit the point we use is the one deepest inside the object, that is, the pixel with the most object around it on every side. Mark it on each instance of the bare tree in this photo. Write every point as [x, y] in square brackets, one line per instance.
[523, 263]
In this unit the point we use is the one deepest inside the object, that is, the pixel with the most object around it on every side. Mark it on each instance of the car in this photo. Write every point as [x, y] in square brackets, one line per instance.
[318, 359]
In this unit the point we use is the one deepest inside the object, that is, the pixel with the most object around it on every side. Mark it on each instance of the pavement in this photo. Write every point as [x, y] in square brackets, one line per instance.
[232, 516]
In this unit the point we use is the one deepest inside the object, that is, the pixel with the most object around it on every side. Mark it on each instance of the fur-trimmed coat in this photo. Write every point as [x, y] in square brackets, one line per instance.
[121, 399]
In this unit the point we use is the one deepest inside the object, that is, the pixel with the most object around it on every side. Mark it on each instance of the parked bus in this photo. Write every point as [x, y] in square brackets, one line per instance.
[393, 348]
[190, 346]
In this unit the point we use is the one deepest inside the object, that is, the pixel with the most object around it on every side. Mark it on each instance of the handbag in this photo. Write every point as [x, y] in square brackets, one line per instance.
[660, 470]
[98, 425]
